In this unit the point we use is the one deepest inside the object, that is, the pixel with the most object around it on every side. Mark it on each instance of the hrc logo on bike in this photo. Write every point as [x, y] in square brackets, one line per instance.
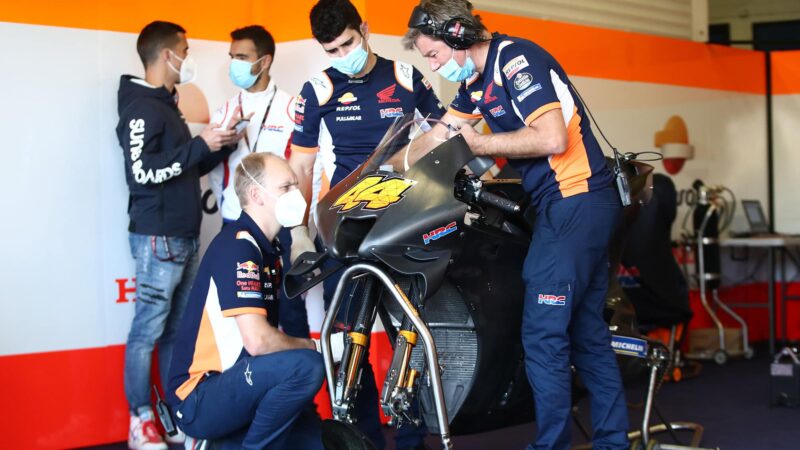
[552, 300]
[439, 233]
[375, 192]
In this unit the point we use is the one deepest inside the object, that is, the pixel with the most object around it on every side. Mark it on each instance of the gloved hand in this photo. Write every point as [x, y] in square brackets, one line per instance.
[301, 242]
[337, 346]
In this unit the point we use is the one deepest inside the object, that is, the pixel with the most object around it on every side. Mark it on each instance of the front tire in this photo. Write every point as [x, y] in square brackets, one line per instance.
[341, 436]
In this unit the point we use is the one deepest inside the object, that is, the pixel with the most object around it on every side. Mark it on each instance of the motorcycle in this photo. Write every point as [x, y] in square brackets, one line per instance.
[436, 253]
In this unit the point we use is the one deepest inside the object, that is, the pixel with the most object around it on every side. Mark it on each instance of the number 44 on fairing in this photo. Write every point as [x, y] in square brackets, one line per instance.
[375, 192]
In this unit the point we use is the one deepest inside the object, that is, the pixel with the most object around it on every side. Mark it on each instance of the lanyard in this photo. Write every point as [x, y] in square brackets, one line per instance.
[252, 149]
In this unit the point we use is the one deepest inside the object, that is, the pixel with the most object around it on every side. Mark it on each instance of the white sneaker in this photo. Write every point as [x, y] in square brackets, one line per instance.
[179, 438]
[195, 444]
[143, 435]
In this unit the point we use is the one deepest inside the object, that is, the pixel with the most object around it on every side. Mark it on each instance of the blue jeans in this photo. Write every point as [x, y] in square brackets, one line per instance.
[566, 280]
[261, 402]
[163, 282]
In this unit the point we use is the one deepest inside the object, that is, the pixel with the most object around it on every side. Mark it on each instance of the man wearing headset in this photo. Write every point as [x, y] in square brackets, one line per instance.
[539, 123]
[342, 114]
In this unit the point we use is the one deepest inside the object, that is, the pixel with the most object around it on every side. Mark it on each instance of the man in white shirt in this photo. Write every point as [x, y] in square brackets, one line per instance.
[270, 112]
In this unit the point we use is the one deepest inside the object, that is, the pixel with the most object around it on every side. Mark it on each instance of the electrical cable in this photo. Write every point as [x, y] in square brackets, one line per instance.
[620, 176]
[636, 155]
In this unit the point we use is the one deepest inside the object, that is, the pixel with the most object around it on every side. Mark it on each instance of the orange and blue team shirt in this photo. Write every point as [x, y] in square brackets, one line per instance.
[347, 117]
[239, 274]
[522, 81]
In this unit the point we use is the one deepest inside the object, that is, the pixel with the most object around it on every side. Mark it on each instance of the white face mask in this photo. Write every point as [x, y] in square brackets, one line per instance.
[188, 70]
[290, 207]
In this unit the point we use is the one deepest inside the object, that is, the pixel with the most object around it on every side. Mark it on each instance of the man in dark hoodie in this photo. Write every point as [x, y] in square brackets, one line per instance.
[163, 165]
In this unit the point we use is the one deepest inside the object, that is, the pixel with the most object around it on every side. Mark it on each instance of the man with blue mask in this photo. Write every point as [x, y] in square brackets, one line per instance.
[540, 124]
[341, 115]
[270, 111]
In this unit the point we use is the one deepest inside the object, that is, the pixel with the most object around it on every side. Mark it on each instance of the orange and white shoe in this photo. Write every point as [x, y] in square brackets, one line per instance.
[143, 435]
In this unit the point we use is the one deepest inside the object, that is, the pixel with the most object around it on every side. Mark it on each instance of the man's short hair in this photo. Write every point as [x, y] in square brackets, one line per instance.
[329, 19]
[156, 36]
[441, 11]
[265, 44]
[254, 164]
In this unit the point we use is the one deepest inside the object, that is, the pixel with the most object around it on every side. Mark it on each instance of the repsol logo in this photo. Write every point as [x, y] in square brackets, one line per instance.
[140, 175]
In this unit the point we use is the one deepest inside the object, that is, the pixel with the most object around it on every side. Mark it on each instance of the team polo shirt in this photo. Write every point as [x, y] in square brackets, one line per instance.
[239, 274]
[519, 83]
[345, 118]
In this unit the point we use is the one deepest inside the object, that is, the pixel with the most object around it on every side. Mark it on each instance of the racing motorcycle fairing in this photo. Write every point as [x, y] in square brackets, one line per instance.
[399, 219]
[308, 271]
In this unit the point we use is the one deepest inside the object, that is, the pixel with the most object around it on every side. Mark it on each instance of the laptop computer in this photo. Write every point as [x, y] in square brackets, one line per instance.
[755, 217]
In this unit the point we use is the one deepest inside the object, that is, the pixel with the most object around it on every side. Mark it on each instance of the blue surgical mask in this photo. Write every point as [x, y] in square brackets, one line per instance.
[240, 73]
[453, 72]
[353, 62]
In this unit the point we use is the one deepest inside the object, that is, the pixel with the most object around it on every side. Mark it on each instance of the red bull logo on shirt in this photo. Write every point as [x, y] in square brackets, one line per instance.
[247, 270]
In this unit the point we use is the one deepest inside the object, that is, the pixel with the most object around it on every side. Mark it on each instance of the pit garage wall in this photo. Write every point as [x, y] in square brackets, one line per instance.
[67, 274]
[786, 133]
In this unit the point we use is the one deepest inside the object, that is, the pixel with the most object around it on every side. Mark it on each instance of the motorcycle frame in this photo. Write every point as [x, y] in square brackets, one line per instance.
[431, 356]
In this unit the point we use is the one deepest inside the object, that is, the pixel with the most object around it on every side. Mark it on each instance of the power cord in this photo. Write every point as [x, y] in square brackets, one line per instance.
[620, 176]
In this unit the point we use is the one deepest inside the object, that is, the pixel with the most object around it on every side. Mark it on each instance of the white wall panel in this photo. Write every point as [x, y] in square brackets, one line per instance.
[786, 139]
[727, 129]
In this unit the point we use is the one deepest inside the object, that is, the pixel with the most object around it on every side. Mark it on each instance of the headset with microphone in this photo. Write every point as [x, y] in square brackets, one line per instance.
[458, 33]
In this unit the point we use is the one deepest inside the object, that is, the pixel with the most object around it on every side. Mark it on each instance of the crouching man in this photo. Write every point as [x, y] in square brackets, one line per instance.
[235, 378]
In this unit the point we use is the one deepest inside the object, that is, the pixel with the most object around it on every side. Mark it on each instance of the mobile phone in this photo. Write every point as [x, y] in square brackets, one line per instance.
[241, 125]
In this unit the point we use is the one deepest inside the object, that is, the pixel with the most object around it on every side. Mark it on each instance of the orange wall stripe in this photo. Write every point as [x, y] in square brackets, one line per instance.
[611, 54]
[786, 72]
[64, 399]
[75, 398]
[582, 50]
[202, 19]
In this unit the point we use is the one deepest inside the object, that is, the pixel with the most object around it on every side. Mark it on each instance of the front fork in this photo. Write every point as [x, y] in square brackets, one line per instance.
[399, 388]
[348, 376]
[402, 380]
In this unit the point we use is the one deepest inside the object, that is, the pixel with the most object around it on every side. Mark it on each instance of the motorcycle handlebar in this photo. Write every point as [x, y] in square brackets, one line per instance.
[504, 204]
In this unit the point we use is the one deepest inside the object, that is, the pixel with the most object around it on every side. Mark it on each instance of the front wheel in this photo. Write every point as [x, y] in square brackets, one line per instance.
[341, 436]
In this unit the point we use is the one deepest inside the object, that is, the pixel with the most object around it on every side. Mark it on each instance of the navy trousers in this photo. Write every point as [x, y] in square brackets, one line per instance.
[261, 402]
[566, 280]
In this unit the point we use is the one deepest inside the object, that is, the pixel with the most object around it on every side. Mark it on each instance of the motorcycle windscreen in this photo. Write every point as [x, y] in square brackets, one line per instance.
[380, 206]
